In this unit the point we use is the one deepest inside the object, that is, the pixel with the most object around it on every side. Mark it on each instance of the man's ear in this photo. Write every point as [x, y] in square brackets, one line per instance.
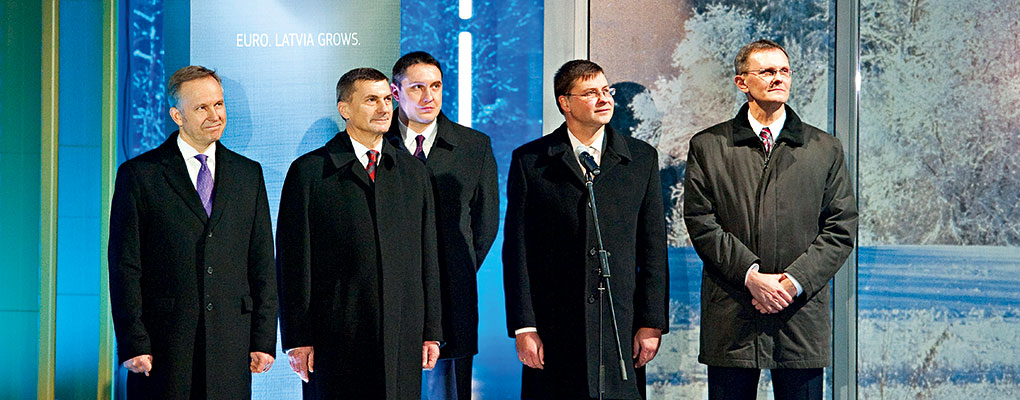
[175, 114]
[739, 81]
[341, 107]
[395, 90]
[564, 104]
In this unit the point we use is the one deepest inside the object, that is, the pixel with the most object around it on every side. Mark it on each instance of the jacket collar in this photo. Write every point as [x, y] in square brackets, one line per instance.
[446, 136]
[793, 128]
[176, 173]
[615, 151]
[341, 152]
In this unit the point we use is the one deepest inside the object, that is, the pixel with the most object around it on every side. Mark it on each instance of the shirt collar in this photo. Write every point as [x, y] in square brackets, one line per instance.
[429, 130]
[189, 152]
[596, 145]
[775, 127]
[361, 150]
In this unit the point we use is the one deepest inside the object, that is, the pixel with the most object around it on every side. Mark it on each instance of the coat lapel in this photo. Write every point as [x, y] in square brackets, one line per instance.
[176, 174]
[441, 155]
[342, 153]
[224, 183]
[561, 150]
[614, 151]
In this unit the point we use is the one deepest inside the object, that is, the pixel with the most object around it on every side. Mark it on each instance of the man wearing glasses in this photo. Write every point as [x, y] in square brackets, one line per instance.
[551, 268]
[770, 210]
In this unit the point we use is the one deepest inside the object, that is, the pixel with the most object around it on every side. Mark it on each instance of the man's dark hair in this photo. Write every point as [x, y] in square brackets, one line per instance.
[413, 58]
[186, 74]
[570, 72]
[740, 62]
[345, 86]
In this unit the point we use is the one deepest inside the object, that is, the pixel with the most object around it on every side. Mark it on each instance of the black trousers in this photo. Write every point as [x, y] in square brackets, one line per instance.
[726, 383]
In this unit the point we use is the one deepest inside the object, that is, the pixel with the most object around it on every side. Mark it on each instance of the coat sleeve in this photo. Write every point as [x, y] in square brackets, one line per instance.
[485, 207]
[430, 267]
[293, 260]
[262, 275]
[125, 267]
[516, 282]
[721, 251]
[838, 221]
[651, 299]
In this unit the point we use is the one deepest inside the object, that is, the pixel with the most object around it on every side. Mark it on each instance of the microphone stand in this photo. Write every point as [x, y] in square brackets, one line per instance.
[604, 291]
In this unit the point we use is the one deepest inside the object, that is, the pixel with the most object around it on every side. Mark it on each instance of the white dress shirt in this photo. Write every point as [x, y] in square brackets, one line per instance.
[409, 136]
[361, 151]
[193, 164]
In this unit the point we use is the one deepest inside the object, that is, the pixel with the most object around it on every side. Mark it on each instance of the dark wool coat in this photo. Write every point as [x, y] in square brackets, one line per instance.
[463, 173]
[357, 269]
[793, 212]
[550, 260]
[173, 268]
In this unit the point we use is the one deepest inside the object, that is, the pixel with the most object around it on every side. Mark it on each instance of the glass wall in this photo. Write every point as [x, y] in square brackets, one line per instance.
[676, 80]
[937, 284]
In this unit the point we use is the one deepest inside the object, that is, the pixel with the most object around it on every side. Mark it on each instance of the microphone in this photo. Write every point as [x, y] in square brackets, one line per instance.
[587, 160]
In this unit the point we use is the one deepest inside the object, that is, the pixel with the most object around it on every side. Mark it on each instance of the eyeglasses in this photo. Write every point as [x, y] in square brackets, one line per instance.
[768, 74]
[592, 94]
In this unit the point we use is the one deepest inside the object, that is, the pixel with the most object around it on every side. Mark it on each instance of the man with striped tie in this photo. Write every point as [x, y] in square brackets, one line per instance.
[771, 212]
[357, 261]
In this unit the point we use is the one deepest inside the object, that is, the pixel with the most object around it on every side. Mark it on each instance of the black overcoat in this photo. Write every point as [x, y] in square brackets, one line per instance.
[172, 267]
[792, 212]
[463, 172]
[357, 269]
[550, 263]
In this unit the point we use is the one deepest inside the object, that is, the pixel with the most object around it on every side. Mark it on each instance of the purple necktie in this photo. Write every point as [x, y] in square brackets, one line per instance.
[419, 151]
[205, 184]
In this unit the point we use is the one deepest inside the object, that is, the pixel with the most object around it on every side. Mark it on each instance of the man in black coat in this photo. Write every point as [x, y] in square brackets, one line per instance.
[463, 173]
[551, 268]
[358, 274]
[771, 212]
[192, 285]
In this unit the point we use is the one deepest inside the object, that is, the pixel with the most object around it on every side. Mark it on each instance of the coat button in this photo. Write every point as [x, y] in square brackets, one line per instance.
[592, 251]
[210, 233]
[591, 300]
[209, 270]
[208, 307]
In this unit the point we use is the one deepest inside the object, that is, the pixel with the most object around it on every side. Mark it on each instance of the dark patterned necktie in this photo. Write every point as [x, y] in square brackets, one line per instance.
[766, 139]
[419, 151]
[204, 184]
[373, 157]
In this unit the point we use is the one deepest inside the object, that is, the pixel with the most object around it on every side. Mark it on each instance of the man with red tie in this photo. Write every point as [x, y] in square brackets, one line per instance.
[357, 260]
[771, 212]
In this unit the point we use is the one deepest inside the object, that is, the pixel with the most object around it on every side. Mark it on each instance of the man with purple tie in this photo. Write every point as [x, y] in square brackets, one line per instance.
[192, 283]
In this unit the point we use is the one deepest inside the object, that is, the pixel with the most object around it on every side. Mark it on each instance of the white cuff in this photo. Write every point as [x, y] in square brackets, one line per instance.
[525, 330]
[753, 267]
[800, 289]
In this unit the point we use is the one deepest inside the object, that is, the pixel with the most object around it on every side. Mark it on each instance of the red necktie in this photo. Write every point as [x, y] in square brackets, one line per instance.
[372, 159]
[766, 139]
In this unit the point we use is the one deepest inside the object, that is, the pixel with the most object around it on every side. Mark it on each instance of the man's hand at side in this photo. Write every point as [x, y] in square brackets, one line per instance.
[302, 361]
[646, 345]
[260, 362]
[530, 350]
[429, 354]
[139, 364]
